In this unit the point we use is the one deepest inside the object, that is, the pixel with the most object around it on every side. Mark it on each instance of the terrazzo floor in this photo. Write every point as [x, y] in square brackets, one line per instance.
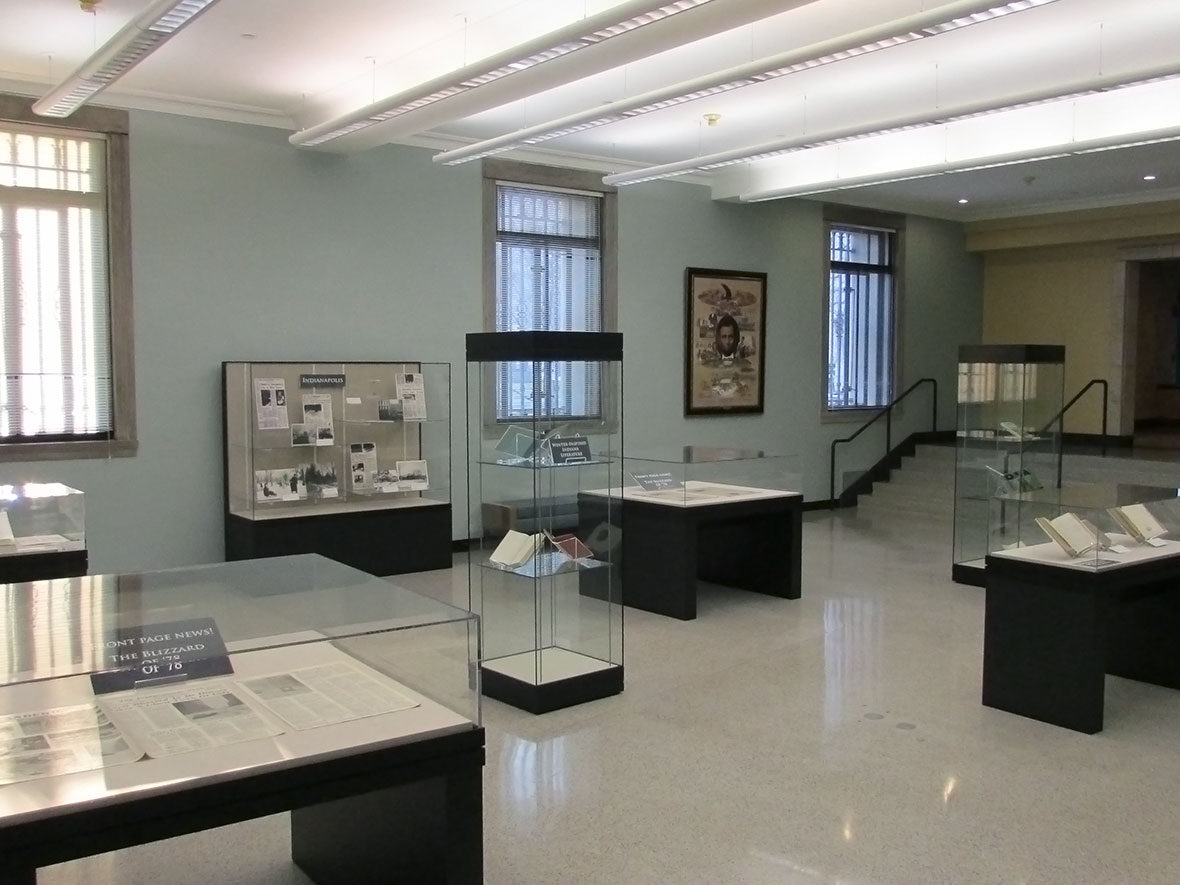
[834, 739]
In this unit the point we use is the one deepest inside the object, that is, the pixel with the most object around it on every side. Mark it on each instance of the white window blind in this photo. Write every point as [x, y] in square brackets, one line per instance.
[548, 277]
[860, 317]
[54, 301]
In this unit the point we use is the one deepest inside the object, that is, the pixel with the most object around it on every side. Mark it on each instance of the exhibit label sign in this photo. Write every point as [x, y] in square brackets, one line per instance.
[134, 656]
[321, 380]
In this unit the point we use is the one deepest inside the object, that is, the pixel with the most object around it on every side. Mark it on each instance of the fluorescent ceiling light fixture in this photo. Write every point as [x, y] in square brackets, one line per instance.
[1070, 127]
[949, 17]
[576, 36]
[917, 120]
[134, 42]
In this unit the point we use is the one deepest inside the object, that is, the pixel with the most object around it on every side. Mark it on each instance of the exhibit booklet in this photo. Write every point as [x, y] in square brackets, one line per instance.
[184, 717]
[270, 403]
[1070, 533]
[326, 694]
[411, 390]
[516, 548]
[1138, 522]
[44, 743]
[364, 466]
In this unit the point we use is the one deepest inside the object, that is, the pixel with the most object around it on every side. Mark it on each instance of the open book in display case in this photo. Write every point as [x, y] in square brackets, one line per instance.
[544, 426]
[348, 459]
[179, 700]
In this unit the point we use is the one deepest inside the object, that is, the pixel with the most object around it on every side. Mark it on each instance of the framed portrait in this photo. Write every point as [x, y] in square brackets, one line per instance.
[724, 341]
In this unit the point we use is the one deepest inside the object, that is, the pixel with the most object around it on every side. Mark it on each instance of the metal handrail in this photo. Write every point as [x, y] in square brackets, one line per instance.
[887, 412]
[1060, 417]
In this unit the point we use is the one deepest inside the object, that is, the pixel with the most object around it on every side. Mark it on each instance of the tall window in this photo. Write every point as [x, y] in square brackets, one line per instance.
[56, 287]
[861, 310]
[551, 275]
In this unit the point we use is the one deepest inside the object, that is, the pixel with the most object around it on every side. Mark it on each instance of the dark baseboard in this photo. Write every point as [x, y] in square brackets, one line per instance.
[460, 545]
[1110, 440]
[821, 504]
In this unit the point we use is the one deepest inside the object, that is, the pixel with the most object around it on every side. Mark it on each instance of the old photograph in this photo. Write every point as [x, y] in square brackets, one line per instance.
[725, 335]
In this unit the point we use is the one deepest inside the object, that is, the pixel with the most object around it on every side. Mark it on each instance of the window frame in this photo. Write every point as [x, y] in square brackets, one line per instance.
[499, 171]
[844, 216]
[114, 126]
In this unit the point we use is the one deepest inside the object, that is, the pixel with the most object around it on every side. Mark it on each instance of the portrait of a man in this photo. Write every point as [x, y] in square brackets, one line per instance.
[725, 337]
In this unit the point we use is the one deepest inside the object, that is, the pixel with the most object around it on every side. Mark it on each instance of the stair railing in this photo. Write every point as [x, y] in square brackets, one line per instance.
[1059, 419]
[887, 413]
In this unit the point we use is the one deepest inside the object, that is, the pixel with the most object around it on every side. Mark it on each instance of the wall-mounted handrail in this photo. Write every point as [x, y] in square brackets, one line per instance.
[887, 413]
[1060, 417]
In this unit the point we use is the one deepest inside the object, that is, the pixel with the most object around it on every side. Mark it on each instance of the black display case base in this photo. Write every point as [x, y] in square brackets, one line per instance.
[1052, 633]
[548, 696]
[971, 575]
[42, 566]
[391, 541]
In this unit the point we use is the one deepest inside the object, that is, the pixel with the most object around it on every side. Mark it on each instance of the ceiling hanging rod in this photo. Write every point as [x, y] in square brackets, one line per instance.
[942, 19]
[140, 37]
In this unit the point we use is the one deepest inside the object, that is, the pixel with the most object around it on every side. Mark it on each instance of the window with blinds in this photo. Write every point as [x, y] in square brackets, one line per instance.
[548, 277]
[861, 293]
[54, 300]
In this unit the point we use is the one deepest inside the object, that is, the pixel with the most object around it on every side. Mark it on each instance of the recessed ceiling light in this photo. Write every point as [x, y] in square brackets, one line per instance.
[962, 199]
[1149, 178]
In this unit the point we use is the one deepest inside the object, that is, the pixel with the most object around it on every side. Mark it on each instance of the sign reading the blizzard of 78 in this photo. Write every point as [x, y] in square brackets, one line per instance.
[146, 653]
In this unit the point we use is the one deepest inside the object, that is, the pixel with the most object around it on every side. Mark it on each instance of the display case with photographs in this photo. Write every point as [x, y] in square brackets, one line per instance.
[190, 698]
[545, 426]
[348, 459]
[1007, 449]
[42, 531]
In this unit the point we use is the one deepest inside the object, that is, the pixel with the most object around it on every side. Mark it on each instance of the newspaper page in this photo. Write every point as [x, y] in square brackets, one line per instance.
[317, 418]
[180, 719]
[270, 403]
[327, 694]
[62, 740]
[364, 466]
[411, 390]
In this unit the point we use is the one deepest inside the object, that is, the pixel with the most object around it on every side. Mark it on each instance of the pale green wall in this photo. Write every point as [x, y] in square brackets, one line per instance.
[245, 248]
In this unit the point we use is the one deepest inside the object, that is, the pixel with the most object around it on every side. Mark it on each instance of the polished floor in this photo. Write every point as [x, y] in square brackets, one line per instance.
[833, 739]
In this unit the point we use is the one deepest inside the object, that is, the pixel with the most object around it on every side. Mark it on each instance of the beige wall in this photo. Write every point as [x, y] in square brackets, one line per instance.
[1062, 279]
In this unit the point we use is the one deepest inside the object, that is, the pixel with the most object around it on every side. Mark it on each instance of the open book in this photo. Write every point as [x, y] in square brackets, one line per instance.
[1073, 535]
[570, 545]
[1137, 521]
[516, 548]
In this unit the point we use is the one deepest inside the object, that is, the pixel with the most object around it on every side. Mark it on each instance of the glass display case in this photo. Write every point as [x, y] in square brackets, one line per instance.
[544, 426]
[703, 513]
[1007, 449]
[42, 531]
[694, 476]
[216, 693]
[347, 459]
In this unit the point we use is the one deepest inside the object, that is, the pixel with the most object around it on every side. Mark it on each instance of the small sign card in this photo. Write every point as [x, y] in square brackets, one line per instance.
[173, 650]
[655, 482]
[570, 450]
[321, 380]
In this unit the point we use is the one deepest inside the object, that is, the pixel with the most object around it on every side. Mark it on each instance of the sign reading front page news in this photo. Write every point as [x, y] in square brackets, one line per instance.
[137, 656]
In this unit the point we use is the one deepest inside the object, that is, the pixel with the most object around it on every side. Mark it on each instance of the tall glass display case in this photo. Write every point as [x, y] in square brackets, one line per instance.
[545, 426]
[1007, 449]
[348, 459]
[42, 531]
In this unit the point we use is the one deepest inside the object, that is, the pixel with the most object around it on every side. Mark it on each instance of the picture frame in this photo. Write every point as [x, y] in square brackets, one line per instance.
[724, 341]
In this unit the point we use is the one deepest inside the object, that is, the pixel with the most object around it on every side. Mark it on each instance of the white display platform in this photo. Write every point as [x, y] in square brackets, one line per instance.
[1050, 553]
[556, 664]
[286, 510]
[695, 493]
[49, 796]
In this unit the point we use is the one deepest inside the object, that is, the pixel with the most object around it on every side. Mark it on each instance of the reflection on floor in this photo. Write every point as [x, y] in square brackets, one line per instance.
[834, 739]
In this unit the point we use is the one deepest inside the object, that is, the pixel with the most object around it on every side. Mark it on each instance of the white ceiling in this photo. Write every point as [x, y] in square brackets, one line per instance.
[298, 63]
